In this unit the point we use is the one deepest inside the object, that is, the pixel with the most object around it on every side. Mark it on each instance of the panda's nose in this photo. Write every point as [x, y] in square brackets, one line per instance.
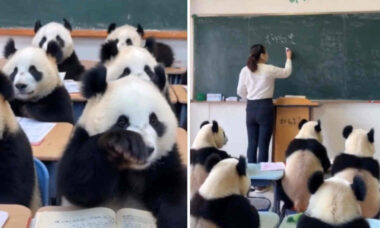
[21, 86]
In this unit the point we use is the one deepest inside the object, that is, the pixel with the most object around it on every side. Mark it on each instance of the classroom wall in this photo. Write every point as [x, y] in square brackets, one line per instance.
[334, 115]
[88, 48]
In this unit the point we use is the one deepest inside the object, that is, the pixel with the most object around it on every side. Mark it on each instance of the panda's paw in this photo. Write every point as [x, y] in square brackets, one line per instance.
[125, 149]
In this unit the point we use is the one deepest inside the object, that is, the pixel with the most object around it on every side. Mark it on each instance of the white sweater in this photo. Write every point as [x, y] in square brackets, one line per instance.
[260, 84]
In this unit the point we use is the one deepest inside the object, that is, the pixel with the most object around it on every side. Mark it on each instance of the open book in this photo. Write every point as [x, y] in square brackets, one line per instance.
[35, 130]
[99, 217]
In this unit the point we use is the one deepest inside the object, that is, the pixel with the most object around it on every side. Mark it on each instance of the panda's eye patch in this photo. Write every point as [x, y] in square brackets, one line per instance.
[122, 121]
[36, 74]
[148, 71]
[156, 124]
[13, 75]
[60, 41]
[42, 41]
[129, 42]
[126, 72]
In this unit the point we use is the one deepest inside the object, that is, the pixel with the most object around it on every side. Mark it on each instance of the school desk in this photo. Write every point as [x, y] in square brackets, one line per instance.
[18, 215]
[374, 223]
[265, 178]
[175, 74]
[181, 94]
[182, 144]
[269, 219]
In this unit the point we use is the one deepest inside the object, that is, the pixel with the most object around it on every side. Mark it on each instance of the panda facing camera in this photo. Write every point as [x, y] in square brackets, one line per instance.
[334, 203]
[134, 141]
[61, 34]
[304, 156]
[39, 92]
[357, 160]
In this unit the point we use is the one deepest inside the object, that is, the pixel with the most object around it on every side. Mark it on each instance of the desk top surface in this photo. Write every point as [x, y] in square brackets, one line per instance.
[180, 92]
[255, 173]
[18, 215]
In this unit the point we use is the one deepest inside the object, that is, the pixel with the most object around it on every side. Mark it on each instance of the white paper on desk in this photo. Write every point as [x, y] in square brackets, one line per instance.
[3, 218]
[295, 96]
[62, 75]
[35, 131]
[272, 166]
[72, 86]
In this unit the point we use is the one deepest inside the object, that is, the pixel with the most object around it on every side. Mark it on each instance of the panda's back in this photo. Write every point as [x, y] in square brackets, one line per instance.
[300, 165]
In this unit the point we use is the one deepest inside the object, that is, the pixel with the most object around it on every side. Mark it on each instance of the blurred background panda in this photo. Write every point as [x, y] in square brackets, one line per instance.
[61, 34]
[334, 203]
[17, 175]
[221, 200]
[127, 35]
[210, 138]
[358, 160]
[39, 92]
[129, 130]
[132, 60]
[304, 156]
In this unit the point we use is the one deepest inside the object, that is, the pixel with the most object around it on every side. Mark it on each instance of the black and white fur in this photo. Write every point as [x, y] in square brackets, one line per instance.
[358, 160]
[61, 34]
[304, 156]
[123, 152]
[39, 92]
[208, 141]
[17, 175]
[128, 35]
[334, 203]
[221, 200]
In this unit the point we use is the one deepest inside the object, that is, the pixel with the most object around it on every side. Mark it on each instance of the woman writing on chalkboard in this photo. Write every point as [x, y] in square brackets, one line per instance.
[256, 84]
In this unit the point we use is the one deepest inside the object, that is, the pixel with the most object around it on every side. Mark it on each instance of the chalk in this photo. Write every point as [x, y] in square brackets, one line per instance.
[286, 49]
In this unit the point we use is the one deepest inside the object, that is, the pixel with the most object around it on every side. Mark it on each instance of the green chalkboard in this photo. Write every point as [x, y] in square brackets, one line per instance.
[96, 14]
[335, 56]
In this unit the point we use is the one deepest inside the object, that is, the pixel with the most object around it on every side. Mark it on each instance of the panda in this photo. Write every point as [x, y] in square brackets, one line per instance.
[304, 156]
[210, 138]
[132, 60]
[17, 175]
[221, 200]
[334, 203]
[39, 92]
[59, 33]
[123, 152]
[128, 35]
[358, 160]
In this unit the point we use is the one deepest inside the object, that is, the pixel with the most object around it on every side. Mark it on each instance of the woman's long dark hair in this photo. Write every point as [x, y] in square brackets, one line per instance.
[256, 51]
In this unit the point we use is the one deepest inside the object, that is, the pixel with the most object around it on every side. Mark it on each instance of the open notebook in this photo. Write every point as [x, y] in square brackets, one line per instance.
[35, 130]
[99, 217]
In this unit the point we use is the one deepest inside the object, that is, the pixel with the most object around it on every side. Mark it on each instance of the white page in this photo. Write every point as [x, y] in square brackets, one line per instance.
[62, 75]
[72, 86]
[3, 218]
[133, 218]
[35, 131]
[85, 218]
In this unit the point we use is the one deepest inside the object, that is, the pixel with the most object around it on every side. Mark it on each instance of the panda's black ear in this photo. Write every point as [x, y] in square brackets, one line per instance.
[9, 48]
[94, 81]
[318, 126]
[211, 161]
[315, 181]
[140, 30]
[150, 45]
[6, 89]
[37, 26]
[111, 27]
[241, 167]
[359, 188]
[160, 77]
[215, 126]
[303, 121]
[67, 24]
[204, 123]
[108, 50]
[347, 131]
[371, 135]
[54, 50]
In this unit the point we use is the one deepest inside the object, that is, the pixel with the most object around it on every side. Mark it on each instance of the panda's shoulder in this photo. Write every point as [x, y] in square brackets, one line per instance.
[344, 161]
[305, 144]
[199, 156]
[310, 222]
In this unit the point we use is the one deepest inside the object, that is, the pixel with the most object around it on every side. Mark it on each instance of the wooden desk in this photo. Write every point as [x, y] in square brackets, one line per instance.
[172, 97]
[181, 93]
[77, 97]
[175, 70]
[18, 215]
[182, 144]
[52, 147]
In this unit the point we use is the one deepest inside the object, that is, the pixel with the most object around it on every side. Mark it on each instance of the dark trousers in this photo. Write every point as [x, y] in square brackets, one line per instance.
[260, 121]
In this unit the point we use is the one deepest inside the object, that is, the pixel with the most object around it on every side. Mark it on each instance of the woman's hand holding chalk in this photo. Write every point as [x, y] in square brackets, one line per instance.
[288, 53]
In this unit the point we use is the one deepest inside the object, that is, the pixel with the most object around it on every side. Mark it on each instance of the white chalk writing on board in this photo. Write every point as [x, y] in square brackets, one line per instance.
[280, 39]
